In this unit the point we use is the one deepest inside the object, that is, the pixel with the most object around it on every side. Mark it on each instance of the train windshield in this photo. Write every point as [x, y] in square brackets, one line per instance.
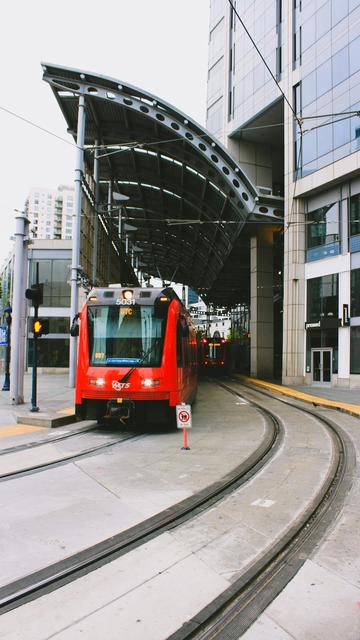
[122, 336]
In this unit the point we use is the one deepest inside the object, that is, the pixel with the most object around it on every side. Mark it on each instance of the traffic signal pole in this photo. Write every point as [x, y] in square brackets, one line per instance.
[34, 407]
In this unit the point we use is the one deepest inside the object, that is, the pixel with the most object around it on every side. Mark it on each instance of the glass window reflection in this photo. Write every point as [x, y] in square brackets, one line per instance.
[339, 10]
[309, 151]
[323, 20]
[322, 297]
[355, 350]
[324, 139]
[308, 33]
[355, 293]
[323, 225]
[355, 215]
[341, 130]
[309, 89]
[340, 66]
[323, 78]
[354, 54]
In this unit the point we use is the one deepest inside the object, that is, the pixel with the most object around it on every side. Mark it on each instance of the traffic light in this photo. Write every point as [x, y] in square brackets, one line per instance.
[40, 327]
[35, 294]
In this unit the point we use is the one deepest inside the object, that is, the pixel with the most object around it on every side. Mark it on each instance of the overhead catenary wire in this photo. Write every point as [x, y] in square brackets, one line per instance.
[37, 126]
[125, 146]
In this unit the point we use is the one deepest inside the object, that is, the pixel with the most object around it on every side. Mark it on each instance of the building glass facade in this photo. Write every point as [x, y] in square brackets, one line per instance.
[313, 49]
[52, 260]
[328, 56]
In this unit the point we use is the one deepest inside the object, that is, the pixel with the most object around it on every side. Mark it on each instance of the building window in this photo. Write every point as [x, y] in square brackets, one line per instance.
[54, 274]
[355, 350]
[355, 293]
[50, 352]
[322, 298]
[323, 225]
[355, 215]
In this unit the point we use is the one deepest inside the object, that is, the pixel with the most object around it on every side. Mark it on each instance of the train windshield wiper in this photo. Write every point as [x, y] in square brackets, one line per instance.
[146, 354]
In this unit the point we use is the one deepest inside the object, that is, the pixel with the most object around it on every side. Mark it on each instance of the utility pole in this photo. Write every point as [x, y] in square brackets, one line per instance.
[18, 306]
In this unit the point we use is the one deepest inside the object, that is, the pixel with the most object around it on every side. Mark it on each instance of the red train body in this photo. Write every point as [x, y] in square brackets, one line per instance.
[137, 355]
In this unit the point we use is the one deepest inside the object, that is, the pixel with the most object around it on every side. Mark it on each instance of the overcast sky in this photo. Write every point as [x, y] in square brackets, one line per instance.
[158, 45]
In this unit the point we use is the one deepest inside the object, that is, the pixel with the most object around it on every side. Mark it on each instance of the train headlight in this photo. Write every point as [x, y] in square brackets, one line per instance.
[150, 382]
[99, 382]
[127, 294]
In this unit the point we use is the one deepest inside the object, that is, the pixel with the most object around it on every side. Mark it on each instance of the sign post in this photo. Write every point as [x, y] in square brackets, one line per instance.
[183, 421]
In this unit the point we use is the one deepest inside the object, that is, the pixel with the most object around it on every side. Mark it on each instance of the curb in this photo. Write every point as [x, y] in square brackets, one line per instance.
[45, 420]
[351, 409]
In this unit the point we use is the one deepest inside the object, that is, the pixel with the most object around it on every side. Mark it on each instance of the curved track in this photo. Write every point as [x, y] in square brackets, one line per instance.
[36, 584]
[229, 615]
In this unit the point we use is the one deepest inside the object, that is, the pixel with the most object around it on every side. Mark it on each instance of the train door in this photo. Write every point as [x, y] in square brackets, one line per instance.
[321, 360]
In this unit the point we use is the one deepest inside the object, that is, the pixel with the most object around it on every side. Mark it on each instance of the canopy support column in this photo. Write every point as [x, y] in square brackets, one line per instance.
[261, 305]
[96, 216]
[75, 264]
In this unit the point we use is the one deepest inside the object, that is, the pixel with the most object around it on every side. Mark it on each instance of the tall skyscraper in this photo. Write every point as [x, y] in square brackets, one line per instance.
[299, 139]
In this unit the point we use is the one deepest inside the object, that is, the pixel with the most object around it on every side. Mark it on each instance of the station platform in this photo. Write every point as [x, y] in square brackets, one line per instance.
[55, 400]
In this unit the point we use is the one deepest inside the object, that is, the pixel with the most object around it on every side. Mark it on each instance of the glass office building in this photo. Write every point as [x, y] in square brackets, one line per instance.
[305, 148]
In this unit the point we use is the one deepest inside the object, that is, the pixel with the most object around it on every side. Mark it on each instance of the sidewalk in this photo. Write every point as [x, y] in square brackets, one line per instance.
[347, 400]
[55, 400]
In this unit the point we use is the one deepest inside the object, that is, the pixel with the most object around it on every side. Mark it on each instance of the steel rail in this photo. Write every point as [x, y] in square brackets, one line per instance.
[229, 615]
[25, 446]
[53, 577]
[43, 466]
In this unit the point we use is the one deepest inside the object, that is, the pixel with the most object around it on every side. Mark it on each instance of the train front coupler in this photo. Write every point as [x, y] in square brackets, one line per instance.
[121, 409]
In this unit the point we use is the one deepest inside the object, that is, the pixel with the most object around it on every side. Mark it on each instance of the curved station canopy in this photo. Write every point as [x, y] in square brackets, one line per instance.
[190, 207]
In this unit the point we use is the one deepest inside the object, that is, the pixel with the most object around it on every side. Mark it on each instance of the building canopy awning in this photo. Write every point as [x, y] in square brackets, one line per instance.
[189, 202]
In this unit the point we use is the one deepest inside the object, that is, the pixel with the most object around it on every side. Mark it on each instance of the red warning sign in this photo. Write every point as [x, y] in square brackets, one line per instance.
[183, 416]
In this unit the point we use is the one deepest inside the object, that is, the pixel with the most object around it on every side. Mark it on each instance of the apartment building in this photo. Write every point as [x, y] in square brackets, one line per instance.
[50, 212]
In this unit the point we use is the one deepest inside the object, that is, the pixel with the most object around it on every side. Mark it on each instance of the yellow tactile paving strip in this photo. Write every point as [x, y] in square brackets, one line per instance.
[353, 409]
[18, 430]
[68, 411]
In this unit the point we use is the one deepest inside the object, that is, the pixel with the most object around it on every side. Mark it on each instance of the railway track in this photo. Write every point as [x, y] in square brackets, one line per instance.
[231, 614]
[52, 577]
[119, 438]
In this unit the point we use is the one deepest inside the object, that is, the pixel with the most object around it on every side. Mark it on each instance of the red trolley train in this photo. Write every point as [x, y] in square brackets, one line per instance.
[137, 355]
[214, 355]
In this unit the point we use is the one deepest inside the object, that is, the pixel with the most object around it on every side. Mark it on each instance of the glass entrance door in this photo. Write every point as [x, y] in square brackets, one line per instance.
[321, 367]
